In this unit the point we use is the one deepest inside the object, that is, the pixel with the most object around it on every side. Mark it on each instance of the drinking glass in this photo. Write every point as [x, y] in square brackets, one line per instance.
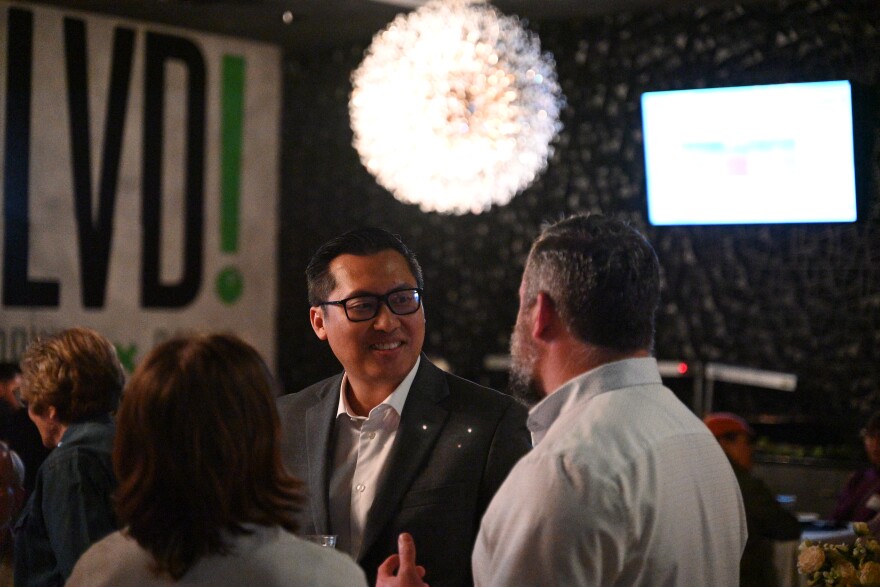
[328, 540]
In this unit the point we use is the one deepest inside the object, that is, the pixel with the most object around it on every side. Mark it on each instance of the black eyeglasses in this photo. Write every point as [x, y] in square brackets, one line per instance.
[366, 307]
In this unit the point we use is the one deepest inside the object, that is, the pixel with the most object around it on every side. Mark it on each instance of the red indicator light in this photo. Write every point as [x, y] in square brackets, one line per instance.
[682, 368]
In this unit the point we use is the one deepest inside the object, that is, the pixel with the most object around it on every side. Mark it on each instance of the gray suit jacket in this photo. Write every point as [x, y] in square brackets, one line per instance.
[455, 445]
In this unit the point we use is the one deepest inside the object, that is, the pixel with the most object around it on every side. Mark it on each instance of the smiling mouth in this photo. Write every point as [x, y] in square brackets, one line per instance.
[386, 346]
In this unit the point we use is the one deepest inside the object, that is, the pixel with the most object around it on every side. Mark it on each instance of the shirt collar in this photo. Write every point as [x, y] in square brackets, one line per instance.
[584, 387]
[396, 400]
[79, 429]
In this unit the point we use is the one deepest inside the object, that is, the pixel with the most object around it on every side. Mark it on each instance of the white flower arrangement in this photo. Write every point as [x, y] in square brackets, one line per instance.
[842, 565]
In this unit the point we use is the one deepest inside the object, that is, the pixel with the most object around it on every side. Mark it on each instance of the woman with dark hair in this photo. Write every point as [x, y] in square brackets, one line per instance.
[859, 500]
[71, 384]
[203, 496]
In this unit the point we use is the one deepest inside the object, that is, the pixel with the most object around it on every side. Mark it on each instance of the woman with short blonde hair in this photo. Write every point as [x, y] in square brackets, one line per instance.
[71, 382]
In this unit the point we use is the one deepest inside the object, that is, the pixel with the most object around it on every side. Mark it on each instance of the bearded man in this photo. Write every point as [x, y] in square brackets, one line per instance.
[624, 485]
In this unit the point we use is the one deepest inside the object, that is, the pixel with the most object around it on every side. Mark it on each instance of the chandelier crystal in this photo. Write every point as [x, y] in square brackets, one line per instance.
[454, 107]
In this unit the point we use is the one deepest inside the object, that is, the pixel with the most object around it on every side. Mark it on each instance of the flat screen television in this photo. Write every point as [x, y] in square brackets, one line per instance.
[781, 153]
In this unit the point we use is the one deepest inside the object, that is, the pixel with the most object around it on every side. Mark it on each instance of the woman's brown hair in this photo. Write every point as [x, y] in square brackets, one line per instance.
[197, 451]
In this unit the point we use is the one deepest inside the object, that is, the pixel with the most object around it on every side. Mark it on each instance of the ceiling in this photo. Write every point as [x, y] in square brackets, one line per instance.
[308, 25]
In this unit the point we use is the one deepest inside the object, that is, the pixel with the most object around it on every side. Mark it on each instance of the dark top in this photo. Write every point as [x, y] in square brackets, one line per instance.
[455, 445]
[70, 507]
[855, 503]
[6, 412]
[766, 521]
[24, 439]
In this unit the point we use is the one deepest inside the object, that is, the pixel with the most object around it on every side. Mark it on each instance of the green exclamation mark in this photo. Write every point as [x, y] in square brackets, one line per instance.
[230, 283]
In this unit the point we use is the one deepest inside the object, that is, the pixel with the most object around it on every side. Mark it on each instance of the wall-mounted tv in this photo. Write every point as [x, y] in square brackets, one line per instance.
[780, 153]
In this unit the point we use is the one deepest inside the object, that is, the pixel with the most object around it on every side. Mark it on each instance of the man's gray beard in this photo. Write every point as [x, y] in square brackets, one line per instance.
[522, 383]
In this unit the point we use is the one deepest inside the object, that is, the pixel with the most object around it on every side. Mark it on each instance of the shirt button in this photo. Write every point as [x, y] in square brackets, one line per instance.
[360, 487]
[371, 435]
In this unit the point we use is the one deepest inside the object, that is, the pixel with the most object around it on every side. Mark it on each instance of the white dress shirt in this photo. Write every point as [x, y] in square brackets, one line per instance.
[625, 487]
[361, 449]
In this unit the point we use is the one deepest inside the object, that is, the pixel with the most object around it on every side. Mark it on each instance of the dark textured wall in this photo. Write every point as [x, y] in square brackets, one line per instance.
[798, 298]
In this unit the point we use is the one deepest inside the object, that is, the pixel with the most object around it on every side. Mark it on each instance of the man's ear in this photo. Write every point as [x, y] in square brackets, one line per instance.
[545, 320]
[316, 317]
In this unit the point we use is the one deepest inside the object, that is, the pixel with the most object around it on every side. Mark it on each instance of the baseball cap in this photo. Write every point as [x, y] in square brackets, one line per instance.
[722, 423]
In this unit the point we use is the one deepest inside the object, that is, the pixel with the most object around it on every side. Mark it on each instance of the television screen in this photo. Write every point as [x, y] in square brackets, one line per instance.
[765, 154]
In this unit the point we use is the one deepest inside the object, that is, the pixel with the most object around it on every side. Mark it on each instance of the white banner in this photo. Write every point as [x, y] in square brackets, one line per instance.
[140, 181]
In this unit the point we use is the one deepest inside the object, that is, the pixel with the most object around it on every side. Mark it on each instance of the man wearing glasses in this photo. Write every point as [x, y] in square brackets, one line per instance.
[393, 444]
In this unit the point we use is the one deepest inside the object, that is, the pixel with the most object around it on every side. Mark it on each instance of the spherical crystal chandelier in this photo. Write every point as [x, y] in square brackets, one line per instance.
[454, 107]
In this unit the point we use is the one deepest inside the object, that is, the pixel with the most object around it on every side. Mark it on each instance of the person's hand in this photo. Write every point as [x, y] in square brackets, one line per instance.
[401, 570]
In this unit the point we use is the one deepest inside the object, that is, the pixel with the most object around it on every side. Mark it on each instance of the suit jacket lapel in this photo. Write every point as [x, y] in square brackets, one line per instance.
[420, 425]
[320, 419]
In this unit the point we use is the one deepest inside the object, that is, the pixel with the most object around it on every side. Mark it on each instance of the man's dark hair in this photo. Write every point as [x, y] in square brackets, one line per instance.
[8, 371]
[603, 277]
[361, 242]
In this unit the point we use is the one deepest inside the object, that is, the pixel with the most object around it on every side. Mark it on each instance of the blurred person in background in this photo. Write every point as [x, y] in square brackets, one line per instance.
[10, 381]
[71, 383]
[859, 500]
[766, 519]
[11, 499]
[203, 497]
[16, 427]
